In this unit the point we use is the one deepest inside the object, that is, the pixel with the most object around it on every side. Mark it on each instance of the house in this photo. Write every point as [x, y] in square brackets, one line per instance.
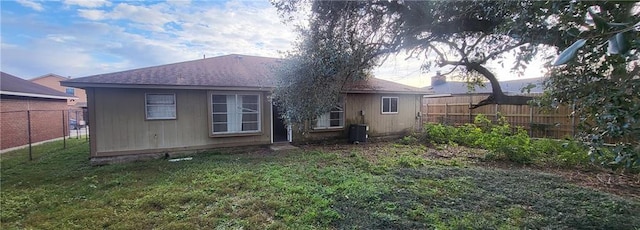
[443, 88]
[388, 109]
[25, 105]
[77, 105]
[222, 101]
[53, 81]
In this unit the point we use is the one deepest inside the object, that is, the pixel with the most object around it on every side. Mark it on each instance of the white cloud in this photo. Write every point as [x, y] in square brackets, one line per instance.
[179, 2]
[95, 15]
[60, 37]
[31, 4]
[87, 3]
[152, 14]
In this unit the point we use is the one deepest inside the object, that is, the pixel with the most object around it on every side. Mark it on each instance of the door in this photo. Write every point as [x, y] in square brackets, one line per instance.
[279, 128]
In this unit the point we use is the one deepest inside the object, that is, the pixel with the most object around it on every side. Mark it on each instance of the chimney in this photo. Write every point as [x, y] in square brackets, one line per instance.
[439, 79]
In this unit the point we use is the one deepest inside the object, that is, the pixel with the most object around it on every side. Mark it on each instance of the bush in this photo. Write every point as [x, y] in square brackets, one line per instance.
[438, 133]
[562, 152]
[503, 141]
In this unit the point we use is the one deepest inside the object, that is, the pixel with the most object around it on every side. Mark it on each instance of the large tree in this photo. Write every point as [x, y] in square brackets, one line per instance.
[344, 40]
[597, 71]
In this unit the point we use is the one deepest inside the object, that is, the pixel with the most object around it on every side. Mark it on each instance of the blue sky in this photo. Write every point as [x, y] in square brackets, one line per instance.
[81, 37]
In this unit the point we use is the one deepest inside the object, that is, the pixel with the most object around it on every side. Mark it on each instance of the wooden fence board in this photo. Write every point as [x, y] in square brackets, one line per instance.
[454, 110]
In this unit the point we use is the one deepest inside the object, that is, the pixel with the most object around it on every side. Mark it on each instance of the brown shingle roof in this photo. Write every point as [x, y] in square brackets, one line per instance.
[223, 71]
[232, 70]
[12, 85]
[375, 85]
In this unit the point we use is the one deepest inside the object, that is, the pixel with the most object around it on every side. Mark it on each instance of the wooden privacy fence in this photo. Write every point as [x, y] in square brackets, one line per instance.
[558, 123]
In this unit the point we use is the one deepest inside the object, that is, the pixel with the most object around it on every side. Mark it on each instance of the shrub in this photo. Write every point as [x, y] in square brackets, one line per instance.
[438, 133]
[506, 143]
[562, 152]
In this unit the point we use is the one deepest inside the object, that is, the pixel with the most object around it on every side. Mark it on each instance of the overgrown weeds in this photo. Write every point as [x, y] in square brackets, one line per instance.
[507, 143]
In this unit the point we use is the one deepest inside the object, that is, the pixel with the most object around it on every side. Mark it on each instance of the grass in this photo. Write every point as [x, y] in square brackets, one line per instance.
[388, 186]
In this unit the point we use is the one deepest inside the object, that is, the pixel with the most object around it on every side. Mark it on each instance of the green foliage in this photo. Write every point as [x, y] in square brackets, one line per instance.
[562, 152]
[570, 52]
[507, 143]
[602, 82]
[500, 139]
[438, 133]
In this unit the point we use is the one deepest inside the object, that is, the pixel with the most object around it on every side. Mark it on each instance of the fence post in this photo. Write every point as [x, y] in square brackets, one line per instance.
[85, 113]
[29, 132]
[470, 116]
[497, 111]
[64, 134]
[446, 113]
[530, 120]
[77, 122]
[426, 114]
[573, 119]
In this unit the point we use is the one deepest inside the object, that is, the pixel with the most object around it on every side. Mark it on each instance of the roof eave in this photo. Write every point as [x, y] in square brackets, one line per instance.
[83, 85]
[385, 92]
[36, 95]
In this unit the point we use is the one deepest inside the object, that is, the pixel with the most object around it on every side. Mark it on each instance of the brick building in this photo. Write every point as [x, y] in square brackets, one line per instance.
[53, 81]
[23, 104]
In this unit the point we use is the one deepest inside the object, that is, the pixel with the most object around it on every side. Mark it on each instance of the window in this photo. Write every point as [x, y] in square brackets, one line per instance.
[70, 91]
[389, 105]
[235, 113]
[160, 106]
[331, 119]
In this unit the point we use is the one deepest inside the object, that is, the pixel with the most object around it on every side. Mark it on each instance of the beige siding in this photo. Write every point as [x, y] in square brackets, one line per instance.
[120, 128]
[383, 124]
[380, 125]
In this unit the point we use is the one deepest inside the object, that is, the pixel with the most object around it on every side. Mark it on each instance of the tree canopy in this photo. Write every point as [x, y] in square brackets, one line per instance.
[599, 73]
[344, 40]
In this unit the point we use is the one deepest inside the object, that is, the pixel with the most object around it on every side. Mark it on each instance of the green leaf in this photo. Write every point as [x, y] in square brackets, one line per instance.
[573, 32]
[618, 44]
[569, 53]
[619, 24]
[600, 22]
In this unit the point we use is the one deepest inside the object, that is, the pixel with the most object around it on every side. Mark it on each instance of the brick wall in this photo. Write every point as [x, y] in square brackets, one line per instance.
[46, 120]
[53, 81]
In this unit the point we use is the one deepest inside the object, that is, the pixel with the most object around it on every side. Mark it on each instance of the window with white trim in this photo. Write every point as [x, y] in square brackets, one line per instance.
[330, 120]
[235, 113]
[389, 105]
[159, 106]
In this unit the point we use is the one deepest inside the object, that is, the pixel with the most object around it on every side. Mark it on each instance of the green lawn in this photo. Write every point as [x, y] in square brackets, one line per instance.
[371, 186]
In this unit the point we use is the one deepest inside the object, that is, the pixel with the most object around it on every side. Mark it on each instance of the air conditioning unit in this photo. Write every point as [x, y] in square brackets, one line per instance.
[358, 133]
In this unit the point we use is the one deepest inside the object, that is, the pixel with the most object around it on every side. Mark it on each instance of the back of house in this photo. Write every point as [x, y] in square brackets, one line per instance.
[223, 101]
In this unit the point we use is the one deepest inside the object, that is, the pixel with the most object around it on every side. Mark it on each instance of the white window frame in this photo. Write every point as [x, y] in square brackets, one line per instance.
[172, 106]
[382, 106]
[237, 111]
[326, 119]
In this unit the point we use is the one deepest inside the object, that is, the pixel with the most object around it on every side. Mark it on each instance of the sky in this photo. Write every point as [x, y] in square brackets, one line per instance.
[77, 38]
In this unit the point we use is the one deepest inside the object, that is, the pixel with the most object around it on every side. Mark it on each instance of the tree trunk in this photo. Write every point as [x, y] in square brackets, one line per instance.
[497, 96]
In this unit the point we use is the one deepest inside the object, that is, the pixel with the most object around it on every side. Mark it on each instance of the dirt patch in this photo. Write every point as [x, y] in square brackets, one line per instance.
[622, 184]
